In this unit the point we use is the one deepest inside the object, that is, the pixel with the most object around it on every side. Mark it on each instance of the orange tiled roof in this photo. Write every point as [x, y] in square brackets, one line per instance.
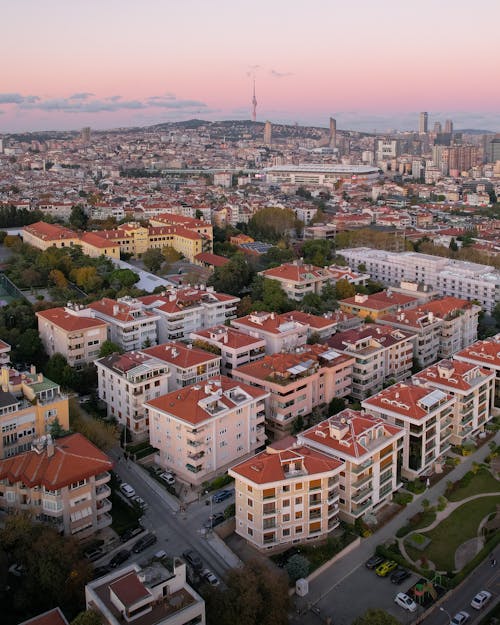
[297, 272]
[452, 374]
[50, 232]
[229, 337]
[68, 321]
[380, 301]
[446, 305]
[404, 399]
[118, 310]
[486, 353]
[180, 355]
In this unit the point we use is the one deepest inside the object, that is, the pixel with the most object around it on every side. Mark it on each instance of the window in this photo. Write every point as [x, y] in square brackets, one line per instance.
[298, 486]
[286, 532]
[250, 516]
[250, 489]
[298, 514]
[250, 503]
[250, 531]
[78, 484]
[286, 488]
[286, 518]
[286, 503]
[298, 529]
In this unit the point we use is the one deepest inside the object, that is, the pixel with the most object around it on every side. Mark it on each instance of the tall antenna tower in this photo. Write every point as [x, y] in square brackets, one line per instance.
[254, 104]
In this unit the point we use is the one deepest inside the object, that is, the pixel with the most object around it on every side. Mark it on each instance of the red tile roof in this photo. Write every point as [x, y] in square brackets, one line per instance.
[75, 458]
[486, 353]
[229, 337]
[119, 310]
[212, 259]
[51, 617]
[69, 321]
[380, 301]
[50, 232]
[403, 399]
[297, 272]
[180, 355]
[454, 374]
[129, 589]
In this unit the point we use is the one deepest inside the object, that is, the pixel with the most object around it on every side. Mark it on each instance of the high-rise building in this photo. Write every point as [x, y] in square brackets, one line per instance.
[494, 150]
[85, 134]
[438, 129]
[333, 133]
[268, 133]
[448, 126]
[423, 123]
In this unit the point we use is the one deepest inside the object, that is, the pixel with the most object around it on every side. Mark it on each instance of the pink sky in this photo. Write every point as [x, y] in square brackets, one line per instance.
[370, 64]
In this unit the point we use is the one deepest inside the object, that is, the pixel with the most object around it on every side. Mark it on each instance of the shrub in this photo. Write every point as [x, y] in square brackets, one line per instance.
[443, 502]
[230, 511]
[218, 482]
[402, 499]
[297, 567]
[403, 531]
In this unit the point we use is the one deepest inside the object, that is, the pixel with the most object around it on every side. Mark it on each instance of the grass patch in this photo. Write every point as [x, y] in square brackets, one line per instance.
[460, 526]
[481, 482]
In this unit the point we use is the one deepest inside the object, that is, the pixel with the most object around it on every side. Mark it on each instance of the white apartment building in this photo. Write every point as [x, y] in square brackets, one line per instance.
[201, 429]
[381, 354]
[235, 348]
[125, 382]
[368, 448]
[280, 333]
[427, 419]
[287, 494]
[473, 388]
[461, 279]
[187, 364]
[485, 354]
[129, 325]
[187, 309]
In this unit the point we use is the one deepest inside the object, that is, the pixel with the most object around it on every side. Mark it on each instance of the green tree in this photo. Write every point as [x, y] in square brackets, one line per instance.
[297, 567]
[56, 430]
[272, 223]
[29, 348]
[273, 297]
[233, 277]
[375, 616]
[318, 252]
[453, 245]
[78, 218]
[153, 259]
[123, 278]
[103, 435]
[344, 289]
[336, 405]
[108, 348]
[88, 617]
[311, 303]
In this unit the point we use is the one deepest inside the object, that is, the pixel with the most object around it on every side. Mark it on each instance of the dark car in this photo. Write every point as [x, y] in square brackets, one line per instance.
[222, 495]
[374, 561]
[131, 533]
[99, 571]
[144, 543]
[94, 554]
[214, 520]
[119, 558]
[193, 558]
[399, 576]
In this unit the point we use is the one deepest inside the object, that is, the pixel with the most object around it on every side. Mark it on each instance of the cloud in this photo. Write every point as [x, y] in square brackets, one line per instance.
[276, 74]
[84, 95]
[17, 98]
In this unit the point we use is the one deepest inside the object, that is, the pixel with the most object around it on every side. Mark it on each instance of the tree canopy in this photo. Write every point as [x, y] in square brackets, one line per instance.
[233, 277]
[108, 348]
[272, 223]
[153, 259]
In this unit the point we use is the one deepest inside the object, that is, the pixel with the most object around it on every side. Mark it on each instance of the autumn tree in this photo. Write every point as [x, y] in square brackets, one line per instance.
[58, 279]
[344, 289]
[153, 259]
[103, 435]
[272, 223]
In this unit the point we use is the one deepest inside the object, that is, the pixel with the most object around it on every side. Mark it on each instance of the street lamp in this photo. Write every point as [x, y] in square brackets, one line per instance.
[446, 612]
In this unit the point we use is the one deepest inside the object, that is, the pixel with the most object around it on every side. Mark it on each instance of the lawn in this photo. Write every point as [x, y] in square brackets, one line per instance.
[482, 482]
[460, 526]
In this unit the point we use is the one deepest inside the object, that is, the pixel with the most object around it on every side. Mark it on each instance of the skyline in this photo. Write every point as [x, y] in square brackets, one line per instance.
[122, 63]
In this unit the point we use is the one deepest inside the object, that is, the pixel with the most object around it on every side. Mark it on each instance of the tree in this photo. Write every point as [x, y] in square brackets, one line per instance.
[312, 303]
[56, 430]
[123, 278]
[170, 255]
[273, 297]
[233, 277]
[87, 278]
[297, 567]
[272, 223]
[153, 259]
[336, 405]
[78, 218]
[375, 616]
[255, 595]
[58, 279]
[453, 245]
[29, 348]
[344, 289]
[317, 251]
[103, 435]
[89, 617]
[108, 348]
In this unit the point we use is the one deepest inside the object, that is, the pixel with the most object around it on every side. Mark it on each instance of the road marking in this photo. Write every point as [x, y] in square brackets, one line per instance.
[329, 590]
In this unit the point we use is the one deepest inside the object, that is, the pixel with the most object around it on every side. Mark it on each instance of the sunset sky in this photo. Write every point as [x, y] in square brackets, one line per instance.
[371, 64]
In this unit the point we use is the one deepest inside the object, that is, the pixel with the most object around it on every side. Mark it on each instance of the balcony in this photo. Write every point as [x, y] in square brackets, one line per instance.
[269, 524]
[356, 469]
[333, 495]
[268, 510]
[193, 468]
[386, 476]
[103, 506]
[361, 495]
[333, 523]
[315, 514]
[358, 510]
[195, 442]
[362, 480]
[104, 520]
[332, 510]
[196, 456]
[102, 491]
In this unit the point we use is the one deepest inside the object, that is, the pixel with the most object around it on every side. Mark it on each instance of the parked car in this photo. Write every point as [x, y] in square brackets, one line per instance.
[222, 495]
[168, 478]
[385, 568]
[193, 558]
[399, 576]
[93, 554]
[405, 602]
[119, 558]
[127, 490]
[481, 599]
[374, 561]
[214, 520]
[140, 502]
[210, 577]
[99, 571]
[144, 543]
[460, 618]
[131, 533]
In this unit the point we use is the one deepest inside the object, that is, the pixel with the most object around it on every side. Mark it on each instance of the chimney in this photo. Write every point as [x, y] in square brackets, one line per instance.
[50, 447]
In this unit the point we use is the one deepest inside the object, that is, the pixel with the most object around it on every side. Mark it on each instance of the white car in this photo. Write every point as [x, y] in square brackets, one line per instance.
[168, 478]
[210, 578]
[460, 618]
[405, 602]
[127, 490]
[481, 599]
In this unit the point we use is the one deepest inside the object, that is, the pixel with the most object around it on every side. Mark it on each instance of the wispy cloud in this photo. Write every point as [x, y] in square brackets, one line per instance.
[275, 74]
[84, 95]
[17, 98]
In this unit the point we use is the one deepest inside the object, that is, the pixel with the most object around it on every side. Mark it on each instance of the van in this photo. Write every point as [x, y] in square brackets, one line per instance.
[127, 490]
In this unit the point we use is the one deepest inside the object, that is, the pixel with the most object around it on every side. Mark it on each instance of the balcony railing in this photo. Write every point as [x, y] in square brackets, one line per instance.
[363, 480]
[193, 468]
[361, 495]
[315, 514]
[357, 510]
[360, 468]
[102, 491]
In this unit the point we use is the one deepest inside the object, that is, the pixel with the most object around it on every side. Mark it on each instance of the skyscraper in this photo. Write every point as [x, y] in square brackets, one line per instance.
[423, 123]
[438, 129]
[448, 126]
[268, 133]
[254, 104]
[85, 134]
[333, 133]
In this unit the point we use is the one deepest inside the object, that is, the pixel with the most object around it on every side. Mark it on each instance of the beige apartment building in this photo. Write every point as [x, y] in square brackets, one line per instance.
[235, 348]
[187, 364]
[70, 331]
[297, 279]
[368, 447]
[426, 416]
[280, 333]
[485, 354]
[62, 482]
[287, 494]
[29, 405]
[377, 304]
[125, 382]
[473, 388]
[298, 382]
[157, 594]
[130, 326]
[201, 429]
[381, 354]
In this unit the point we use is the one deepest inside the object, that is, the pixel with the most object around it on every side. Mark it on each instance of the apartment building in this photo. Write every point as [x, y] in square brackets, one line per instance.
[125, 382]
[473, 388]
[29, 404]
[187, 309]
[201, 429]
[72, 332]
[280, 333]
[456, 278]
[4, 353]
[368, 448]
[51, 617]
[287, 494]
[157, 594]
[485, 354]
[318, 326]
[129, 325]
[43, 235]
[426, 328]
[235, 348]
[297, 279]
[426, 415]
[298, 382]
[187, 364]
[378, 304]
[381, 354]
[61, 482]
